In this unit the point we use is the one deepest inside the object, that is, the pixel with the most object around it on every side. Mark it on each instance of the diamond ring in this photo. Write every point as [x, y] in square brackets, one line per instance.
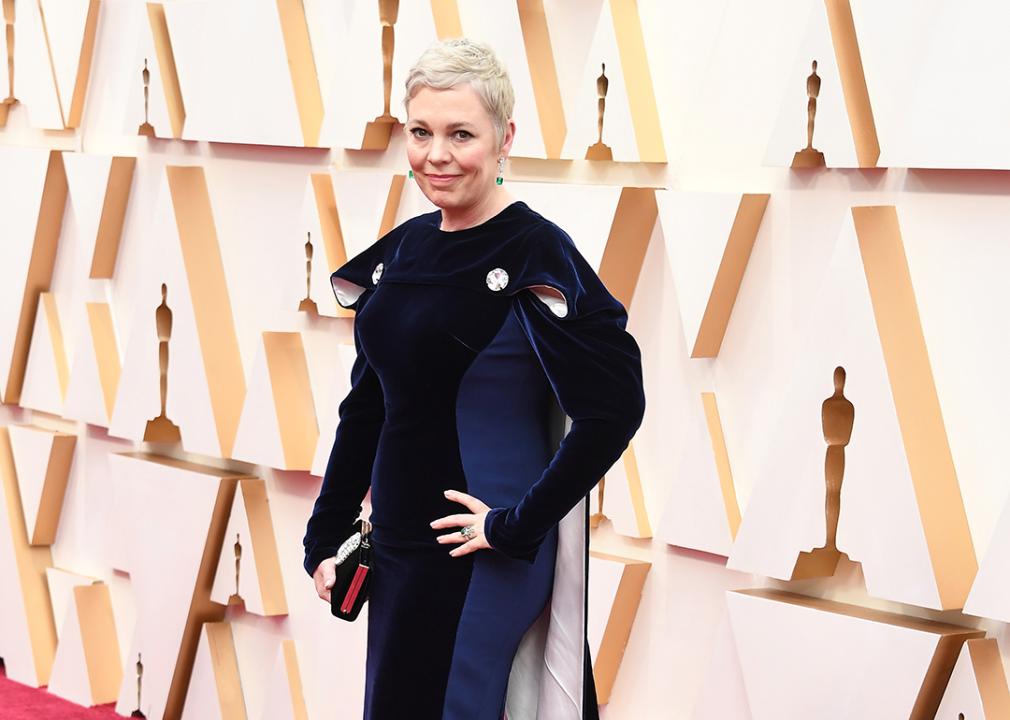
[468, 531]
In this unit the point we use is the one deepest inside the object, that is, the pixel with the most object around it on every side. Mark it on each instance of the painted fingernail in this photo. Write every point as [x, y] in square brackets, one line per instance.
[432, 523]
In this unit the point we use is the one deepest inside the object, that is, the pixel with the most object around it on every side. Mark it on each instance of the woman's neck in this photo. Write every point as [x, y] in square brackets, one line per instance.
[462, 218]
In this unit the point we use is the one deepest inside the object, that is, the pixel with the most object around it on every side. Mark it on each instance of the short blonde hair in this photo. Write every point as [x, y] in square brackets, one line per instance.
[460, 60]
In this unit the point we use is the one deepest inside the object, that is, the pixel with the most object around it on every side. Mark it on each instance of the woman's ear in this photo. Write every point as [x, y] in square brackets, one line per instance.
[507, 138]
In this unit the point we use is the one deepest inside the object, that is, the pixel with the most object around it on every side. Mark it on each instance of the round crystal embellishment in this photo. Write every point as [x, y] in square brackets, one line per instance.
[497, 279]
[376, 274]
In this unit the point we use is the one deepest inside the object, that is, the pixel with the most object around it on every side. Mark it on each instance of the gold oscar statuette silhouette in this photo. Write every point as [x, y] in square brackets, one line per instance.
[308, 304]
[147, 129]
[808, 157]
[238, 560]
[837, 418]
[140, 674]
[379, 131]
[597, 517]
[161, 429]
[599, 151]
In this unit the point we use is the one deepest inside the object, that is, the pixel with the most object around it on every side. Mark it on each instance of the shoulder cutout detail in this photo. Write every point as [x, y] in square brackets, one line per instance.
[553, 298]
[346, 292]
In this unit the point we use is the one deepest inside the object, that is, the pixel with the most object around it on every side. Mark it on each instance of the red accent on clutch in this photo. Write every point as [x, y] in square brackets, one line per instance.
[352, 591]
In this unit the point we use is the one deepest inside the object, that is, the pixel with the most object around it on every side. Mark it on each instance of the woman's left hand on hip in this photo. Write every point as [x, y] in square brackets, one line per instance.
[478, 511]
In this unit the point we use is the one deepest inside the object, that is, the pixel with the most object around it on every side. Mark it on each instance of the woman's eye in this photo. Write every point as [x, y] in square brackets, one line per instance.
[463, 135]
[418, 132]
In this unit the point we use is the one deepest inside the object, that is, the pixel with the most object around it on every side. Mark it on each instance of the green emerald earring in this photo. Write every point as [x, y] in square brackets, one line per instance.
[410, 174]
[501, 168]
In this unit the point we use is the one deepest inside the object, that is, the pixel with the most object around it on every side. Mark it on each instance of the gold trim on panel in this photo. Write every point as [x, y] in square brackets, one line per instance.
[110, 226]
[934, 477]
[619, 622]
[40, 269]
[730, 274]
[208, 289]
[264, 542]
[544, 75]
[174, 104]
[99, 640]
[642, 524]
[638, 81]
[31, 563]
[292, 395]
[52, 65]
[301, 63]
[630, 232]
[221, 644]
[54, 487]
[59, 351]
[103, 339]
[392, 206]
[333, 235]
[718, 440]
[991, 678]
[298, 709]
[850, 71]
[445, 13]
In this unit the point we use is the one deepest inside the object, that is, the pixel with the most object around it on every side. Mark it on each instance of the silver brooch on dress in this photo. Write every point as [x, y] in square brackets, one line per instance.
[497, 279]
[376, 274]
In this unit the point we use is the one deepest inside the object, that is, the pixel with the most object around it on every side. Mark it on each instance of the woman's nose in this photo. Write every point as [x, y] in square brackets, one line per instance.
[438, 151]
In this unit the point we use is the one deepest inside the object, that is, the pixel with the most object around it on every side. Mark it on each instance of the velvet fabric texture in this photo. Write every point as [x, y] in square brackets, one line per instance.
[465, 339]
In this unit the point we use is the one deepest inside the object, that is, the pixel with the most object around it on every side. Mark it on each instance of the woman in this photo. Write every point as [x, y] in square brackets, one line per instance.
[472, 322]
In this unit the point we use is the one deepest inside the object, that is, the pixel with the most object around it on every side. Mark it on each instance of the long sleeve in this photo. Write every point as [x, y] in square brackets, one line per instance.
[594, 367]
[349, 469]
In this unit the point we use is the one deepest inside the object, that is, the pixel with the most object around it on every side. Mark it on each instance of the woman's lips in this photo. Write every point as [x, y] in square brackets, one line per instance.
[441, 179]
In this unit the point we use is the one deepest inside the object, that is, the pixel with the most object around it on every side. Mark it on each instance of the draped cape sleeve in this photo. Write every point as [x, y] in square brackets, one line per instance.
[361, 415]
[577, 329]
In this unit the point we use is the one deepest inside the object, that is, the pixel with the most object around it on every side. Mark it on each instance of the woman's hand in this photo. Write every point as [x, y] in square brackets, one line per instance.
[475, 517]
[324, 577]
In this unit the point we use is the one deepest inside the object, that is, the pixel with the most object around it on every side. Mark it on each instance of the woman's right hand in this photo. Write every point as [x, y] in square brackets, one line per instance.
[324, 577]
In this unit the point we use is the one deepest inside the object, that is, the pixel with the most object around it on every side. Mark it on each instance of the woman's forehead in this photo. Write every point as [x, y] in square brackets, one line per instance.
[459, 104]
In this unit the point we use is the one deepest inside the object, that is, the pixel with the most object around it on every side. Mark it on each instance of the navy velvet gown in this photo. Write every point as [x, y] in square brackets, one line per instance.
[473, 346]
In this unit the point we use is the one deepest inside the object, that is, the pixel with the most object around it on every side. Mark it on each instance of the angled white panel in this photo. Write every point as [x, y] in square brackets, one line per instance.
[577, 74]
[22, 181]
[32, 449]
[283, 697]
[794, 659]
[188, 402]
[585, 212]
[34, 81]
[832, 133]
[498, 24]
[161, 500]
[233, 69]
[722, 694]
[69, 679]
[990, 593]
[605, 578]
[61, 592]
[208, 695]
[619, 504]
[43, 386]
[943, 118]
[65, 26]
[361, 199]
[320, 290]
[88, 180]
[139, 29]
[695, 512]
[696, 227]
[879, 525]
[962, 694]
[85, 397]
[258, 439]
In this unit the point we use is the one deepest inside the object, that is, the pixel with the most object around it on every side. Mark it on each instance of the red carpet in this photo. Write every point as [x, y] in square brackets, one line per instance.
[20, 702]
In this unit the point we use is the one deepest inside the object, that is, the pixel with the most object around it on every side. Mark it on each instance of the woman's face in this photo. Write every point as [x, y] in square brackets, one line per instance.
[452, 146]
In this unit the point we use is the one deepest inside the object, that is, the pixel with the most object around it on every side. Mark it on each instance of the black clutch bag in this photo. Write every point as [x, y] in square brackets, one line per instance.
[354, 571]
